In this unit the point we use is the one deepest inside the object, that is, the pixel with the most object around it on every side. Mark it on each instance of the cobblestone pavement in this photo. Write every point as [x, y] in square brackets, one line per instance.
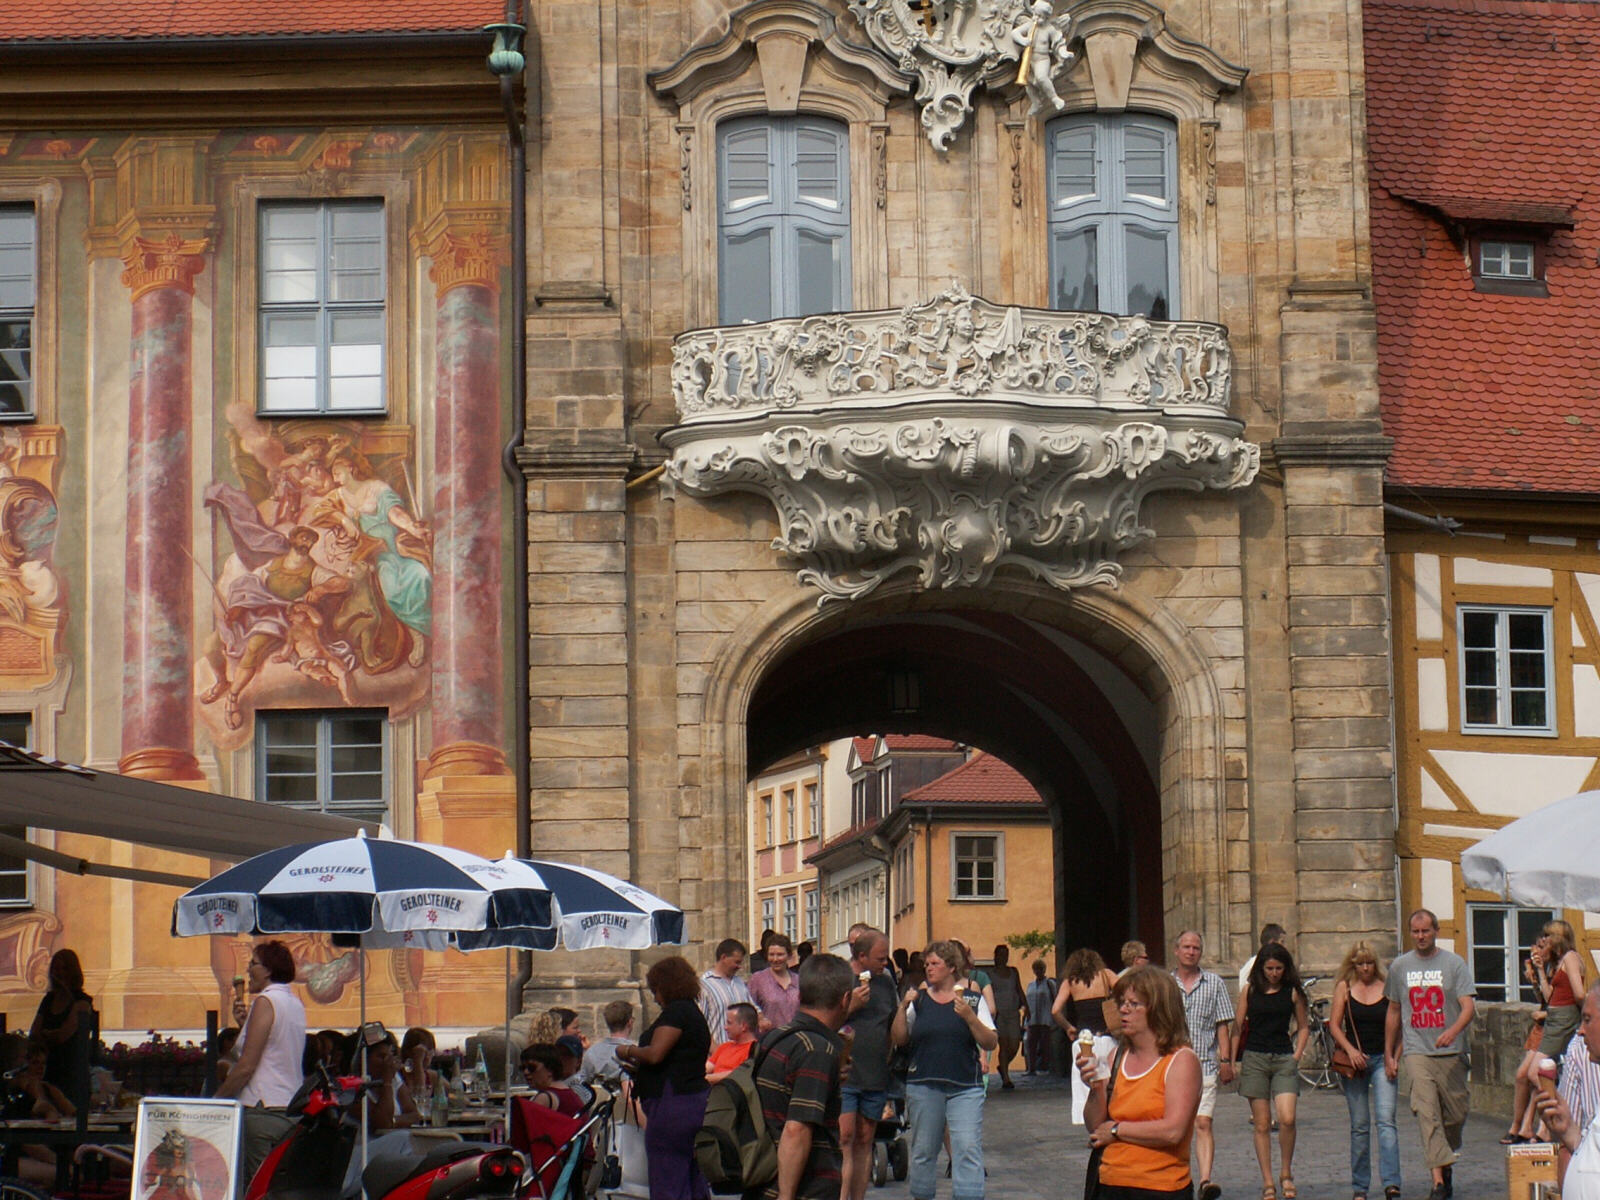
[1033, 1153]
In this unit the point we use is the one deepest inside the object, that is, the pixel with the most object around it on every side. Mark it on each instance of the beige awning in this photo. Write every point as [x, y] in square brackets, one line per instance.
[44, 793]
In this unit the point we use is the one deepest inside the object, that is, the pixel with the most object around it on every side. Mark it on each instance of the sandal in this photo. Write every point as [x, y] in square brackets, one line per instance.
[1392, 1192]
[1268, 1192]
[1286, 1185]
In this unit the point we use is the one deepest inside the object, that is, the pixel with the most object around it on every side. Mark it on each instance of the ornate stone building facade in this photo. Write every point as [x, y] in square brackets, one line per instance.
[871, 389]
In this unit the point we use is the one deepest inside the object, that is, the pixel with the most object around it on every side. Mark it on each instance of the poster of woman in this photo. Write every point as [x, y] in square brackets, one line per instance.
[187, 1150]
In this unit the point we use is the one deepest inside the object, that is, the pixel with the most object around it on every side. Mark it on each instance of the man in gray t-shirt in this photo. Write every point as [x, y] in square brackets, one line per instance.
[866, 1087]
[1431, 1004]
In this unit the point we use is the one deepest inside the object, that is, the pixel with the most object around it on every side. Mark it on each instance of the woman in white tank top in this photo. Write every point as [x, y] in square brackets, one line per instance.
[274, 1037]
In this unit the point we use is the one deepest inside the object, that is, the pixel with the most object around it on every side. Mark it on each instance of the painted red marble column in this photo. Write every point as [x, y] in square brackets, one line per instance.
[469, 652]
[158, 617]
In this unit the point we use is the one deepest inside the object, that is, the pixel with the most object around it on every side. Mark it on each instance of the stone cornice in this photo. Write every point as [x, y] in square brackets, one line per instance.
[576, 460]
[1327, 449]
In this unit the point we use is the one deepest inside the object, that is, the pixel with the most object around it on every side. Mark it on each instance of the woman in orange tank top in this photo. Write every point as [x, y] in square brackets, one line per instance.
[1145, 1134]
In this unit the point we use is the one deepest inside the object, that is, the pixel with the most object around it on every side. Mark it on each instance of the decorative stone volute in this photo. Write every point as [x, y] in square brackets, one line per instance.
[957, 436]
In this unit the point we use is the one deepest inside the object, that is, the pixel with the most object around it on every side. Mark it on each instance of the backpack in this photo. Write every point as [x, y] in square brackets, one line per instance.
[734, 1148]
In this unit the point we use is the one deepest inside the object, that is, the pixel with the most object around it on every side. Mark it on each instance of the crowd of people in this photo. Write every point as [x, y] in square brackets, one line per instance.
[836, 1045]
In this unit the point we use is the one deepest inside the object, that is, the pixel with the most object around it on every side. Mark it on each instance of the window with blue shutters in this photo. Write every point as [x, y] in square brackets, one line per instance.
[1113, 192]
[783, 225]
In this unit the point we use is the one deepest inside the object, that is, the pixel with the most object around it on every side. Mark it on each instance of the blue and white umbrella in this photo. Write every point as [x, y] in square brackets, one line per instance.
[593, 911]
[362, 885]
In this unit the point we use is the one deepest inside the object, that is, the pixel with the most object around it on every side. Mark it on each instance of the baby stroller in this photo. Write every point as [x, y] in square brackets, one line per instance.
[891, 1152]
[571, 1156]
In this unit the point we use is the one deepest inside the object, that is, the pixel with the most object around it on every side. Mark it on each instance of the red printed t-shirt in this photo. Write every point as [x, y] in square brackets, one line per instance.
[1429, 992]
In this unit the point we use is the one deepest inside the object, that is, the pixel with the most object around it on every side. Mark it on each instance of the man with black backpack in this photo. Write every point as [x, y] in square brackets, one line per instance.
[797, 1079]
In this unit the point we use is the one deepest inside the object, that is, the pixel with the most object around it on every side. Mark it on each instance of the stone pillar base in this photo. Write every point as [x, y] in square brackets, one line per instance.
[469, 812]
[466, 758]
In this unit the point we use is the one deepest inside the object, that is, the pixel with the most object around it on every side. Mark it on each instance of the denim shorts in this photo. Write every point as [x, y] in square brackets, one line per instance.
[1263, 1076]
[868, 1104]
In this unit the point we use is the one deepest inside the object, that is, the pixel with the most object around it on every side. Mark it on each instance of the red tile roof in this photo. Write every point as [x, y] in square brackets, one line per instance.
[919, 741]
[77, 20]
[865, 748]
[983, 779]
[1485, 110]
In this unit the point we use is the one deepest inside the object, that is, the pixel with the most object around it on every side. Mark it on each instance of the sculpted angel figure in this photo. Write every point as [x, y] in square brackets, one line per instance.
[1043, 38]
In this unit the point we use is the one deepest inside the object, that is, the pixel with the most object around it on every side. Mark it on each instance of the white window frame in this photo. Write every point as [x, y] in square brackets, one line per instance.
[25, 314]
[769, 912]
[1508, 258]
[767, 819]
[1512, 951]
[783, 214]
[1111, 210]
[999, 865]
[24, 869]
[1504, 690]
[322, 308]
[814, 810]
[365, 810]
[791, 917]
[813, 916]
[791, 818]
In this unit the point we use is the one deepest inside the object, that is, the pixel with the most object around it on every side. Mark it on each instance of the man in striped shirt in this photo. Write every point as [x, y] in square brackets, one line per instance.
[1209, 1010]
[721, 988]
[798, 1082]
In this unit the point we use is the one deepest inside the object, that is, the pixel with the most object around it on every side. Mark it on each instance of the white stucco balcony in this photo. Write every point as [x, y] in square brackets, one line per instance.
[956, 436]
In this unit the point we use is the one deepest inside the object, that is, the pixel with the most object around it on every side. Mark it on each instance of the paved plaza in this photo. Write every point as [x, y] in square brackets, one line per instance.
[1033, 1153]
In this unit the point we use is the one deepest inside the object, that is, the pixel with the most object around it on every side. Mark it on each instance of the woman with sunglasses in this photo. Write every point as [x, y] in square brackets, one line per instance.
[1356, 1022]
[1144, 1127]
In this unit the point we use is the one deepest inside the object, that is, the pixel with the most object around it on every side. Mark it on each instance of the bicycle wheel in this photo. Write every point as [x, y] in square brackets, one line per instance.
[12, 1188]
[1314, 1063]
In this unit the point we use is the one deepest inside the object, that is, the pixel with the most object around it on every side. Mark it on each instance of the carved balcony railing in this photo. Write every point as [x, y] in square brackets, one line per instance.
[956, 436]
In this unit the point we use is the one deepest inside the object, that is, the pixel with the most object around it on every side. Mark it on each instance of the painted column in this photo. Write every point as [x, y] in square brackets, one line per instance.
[468, 647]
[158, 618]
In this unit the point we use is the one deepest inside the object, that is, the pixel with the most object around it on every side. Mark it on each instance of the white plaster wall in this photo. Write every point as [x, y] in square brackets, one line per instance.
[1514, 785]
[1430, 614]
[1473, 570]
[1585, 701]
[1433, 795]
[1438, 889]
[1433, 694]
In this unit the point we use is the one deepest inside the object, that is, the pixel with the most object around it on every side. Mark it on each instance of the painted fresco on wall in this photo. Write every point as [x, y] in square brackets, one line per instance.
[32, 598]
[323, 591]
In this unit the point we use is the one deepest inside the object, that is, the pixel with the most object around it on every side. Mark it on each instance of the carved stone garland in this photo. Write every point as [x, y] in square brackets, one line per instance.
[932, 439]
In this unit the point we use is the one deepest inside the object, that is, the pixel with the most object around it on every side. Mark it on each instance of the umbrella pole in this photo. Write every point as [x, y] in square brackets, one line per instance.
[507, 994]
[361, 963]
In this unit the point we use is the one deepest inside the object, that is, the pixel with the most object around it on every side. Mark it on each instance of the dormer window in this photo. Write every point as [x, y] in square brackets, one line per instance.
[1506, 260]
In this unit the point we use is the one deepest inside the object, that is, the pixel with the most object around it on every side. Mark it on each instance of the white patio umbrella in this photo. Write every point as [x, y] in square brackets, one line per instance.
[1549, 858]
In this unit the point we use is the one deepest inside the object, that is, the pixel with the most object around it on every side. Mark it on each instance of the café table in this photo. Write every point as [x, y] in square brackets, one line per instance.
[63, 1137]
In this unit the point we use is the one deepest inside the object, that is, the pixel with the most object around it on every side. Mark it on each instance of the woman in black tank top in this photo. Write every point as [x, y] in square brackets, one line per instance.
[1269, 1076]
[1358, 1023]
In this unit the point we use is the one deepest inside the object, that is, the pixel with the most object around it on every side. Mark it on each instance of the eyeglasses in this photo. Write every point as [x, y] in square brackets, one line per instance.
[1129, 1002]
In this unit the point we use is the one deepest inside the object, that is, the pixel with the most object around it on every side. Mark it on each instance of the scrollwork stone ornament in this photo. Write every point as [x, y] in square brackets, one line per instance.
[951, 46]
[957, 437]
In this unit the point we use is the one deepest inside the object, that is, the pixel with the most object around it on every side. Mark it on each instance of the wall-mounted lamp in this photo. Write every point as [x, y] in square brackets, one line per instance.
[506, 56]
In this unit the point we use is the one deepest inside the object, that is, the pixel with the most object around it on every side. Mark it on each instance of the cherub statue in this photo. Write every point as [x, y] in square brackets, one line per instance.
[1043, 38]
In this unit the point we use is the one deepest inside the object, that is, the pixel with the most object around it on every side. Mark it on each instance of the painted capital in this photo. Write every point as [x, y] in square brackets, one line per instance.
[150, 264]
[468, 257]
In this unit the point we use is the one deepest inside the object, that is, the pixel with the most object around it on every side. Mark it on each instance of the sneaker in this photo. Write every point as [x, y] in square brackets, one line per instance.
[1209, 1190]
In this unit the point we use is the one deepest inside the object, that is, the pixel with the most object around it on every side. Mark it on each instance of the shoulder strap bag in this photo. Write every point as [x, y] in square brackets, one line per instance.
[1091, 1174]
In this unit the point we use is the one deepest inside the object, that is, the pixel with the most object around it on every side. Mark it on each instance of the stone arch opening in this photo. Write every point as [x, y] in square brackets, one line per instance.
[1098, 697]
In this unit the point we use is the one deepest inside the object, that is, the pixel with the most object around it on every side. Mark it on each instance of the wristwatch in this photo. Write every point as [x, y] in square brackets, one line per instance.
[1115, 1125]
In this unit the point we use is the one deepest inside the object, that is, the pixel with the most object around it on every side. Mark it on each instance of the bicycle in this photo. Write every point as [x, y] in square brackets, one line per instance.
[1316, 1064]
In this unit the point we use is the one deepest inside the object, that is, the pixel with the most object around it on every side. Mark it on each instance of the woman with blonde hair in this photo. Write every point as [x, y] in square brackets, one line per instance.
[1086, 984]
[1142, 1113]
[1357, 1023]
[1555, 970]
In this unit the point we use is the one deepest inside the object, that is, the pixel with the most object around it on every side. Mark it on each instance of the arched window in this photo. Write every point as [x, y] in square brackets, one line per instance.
[1114, 215]
[783, 226]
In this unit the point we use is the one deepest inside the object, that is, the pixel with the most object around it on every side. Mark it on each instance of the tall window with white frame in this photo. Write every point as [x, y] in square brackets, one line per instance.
[1113, 191]
[1499, 938]
[768, 912]
[813, 926]
[333, 762]
[1506, 673]
[322, 307]
[19, 230]
[783, 218]
[791, 919]
[16, 728]
[813, 810]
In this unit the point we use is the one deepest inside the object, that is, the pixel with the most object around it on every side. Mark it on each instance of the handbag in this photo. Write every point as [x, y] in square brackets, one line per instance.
[1091, 1173]
[1340, 1060]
